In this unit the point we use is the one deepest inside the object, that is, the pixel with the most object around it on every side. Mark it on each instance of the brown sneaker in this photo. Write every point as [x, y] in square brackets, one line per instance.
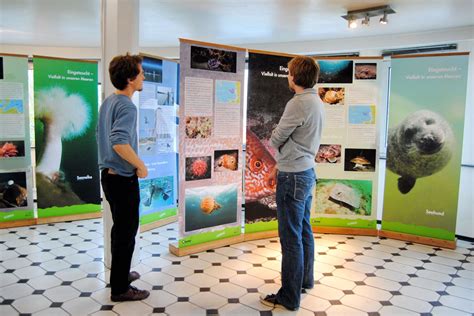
[133, 276]
[133, 294]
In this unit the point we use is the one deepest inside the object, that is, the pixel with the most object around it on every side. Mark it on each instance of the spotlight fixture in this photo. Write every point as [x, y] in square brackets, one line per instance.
[352, 23]
[366, 21]
[366, 14]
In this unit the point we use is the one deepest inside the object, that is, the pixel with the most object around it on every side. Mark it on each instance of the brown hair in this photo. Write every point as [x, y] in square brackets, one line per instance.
[122, 68]
[305, 71]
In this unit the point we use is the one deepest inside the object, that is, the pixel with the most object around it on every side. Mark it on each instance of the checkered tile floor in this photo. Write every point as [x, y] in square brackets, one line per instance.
[57, 269]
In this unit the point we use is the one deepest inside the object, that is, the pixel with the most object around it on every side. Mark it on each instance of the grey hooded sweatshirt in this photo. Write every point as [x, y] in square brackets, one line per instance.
[298, 134]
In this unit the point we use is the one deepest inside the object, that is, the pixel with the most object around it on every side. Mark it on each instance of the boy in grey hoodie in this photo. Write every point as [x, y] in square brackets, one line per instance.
[296, 138]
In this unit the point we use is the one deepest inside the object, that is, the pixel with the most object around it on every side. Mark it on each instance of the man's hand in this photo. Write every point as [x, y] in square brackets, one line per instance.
[272, 177]
[142, 171]
[126, 152]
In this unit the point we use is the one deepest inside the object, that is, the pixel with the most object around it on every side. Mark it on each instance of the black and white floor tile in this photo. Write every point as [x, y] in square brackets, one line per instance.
[57, 269]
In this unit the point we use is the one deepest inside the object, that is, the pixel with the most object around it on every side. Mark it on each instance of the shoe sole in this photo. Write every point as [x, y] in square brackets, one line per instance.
[128, 299]
[277, 305]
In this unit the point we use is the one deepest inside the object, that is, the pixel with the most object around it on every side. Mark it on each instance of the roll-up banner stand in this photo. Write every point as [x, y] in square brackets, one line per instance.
[66, 111]
[16, 182]
[345, 196]
[210, 146]
[424, 147]
[157, 132]
[267, 96]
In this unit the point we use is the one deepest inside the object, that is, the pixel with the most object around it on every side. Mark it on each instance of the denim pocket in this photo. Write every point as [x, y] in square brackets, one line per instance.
[303, 186]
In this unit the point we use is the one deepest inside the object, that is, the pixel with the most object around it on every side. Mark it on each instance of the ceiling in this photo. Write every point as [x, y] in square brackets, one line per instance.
[72, 23]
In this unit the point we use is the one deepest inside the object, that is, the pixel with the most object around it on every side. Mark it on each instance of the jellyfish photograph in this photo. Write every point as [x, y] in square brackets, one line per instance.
[210, 206]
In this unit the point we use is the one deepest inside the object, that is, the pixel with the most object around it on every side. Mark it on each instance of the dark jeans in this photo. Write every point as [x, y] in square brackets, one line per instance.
[294, 196]
[123, 195]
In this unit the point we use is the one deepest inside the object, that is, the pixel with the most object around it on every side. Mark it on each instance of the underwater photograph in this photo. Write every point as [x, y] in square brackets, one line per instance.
[210, 206]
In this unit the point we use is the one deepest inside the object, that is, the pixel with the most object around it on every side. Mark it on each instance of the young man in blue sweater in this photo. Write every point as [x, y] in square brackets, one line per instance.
[296, 138]
[120, 169]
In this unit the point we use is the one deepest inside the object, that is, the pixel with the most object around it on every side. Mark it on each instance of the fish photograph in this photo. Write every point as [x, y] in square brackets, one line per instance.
[208, 206]
[343, 197]
[198, 168]
[361, 160]
[225, 160]
[267, 97]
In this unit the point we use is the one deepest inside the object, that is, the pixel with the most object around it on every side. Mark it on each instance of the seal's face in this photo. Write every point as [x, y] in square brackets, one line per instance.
[424, 134]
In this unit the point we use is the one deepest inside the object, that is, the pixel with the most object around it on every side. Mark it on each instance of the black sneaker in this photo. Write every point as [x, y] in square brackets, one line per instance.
[133, 276]
[132, 294]
[271, 300]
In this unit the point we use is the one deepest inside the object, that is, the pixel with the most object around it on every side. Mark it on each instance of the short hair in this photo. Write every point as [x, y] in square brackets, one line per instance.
[122, 68]
[305, 71]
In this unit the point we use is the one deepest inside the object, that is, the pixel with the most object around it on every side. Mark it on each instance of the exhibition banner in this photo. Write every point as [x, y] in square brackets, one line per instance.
[66, 110]
[424, 144]
[16, 199]
[157, 130]
[210, 142]
[267, 96]
[345, 195]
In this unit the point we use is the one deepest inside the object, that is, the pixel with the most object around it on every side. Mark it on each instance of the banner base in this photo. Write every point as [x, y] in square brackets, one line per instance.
[163, 222]
[25, 222]
[450, 244]
[76, 217]
[261, 235]
[184, 251]
[345, 230]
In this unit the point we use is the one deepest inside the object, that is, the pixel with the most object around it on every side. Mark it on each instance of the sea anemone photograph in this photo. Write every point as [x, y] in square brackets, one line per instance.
[12, 148]
[198, 168]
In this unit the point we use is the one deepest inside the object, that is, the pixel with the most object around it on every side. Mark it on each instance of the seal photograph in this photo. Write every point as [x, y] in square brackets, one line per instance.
[420, 146]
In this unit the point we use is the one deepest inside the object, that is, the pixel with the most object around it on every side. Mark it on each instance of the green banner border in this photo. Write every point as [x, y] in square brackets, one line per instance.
[261, 227]
[209, 236]
[69, 210]
[158, 216]
[424, 231]
[344, 222]
[16, 215]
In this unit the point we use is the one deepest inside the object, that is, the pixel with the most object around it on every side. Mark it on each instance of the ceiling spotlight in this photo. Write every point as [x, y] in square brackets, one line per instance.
[384, 19]
[366, 20]
[352, 23]
[366, 14]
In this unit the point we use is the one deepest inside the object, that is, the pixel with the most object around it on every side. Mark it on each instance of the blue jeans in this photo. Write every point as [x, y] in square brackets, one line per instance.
[294, 196]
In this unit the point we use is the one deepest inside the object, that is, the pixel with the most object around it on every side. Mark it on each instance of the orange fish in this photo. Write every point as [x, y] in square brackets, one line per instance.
[259, 164]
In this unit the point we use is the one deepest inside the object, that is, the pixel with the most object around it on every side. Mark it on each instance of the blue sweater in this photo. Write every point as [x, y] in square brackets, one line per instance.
[117, 125]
